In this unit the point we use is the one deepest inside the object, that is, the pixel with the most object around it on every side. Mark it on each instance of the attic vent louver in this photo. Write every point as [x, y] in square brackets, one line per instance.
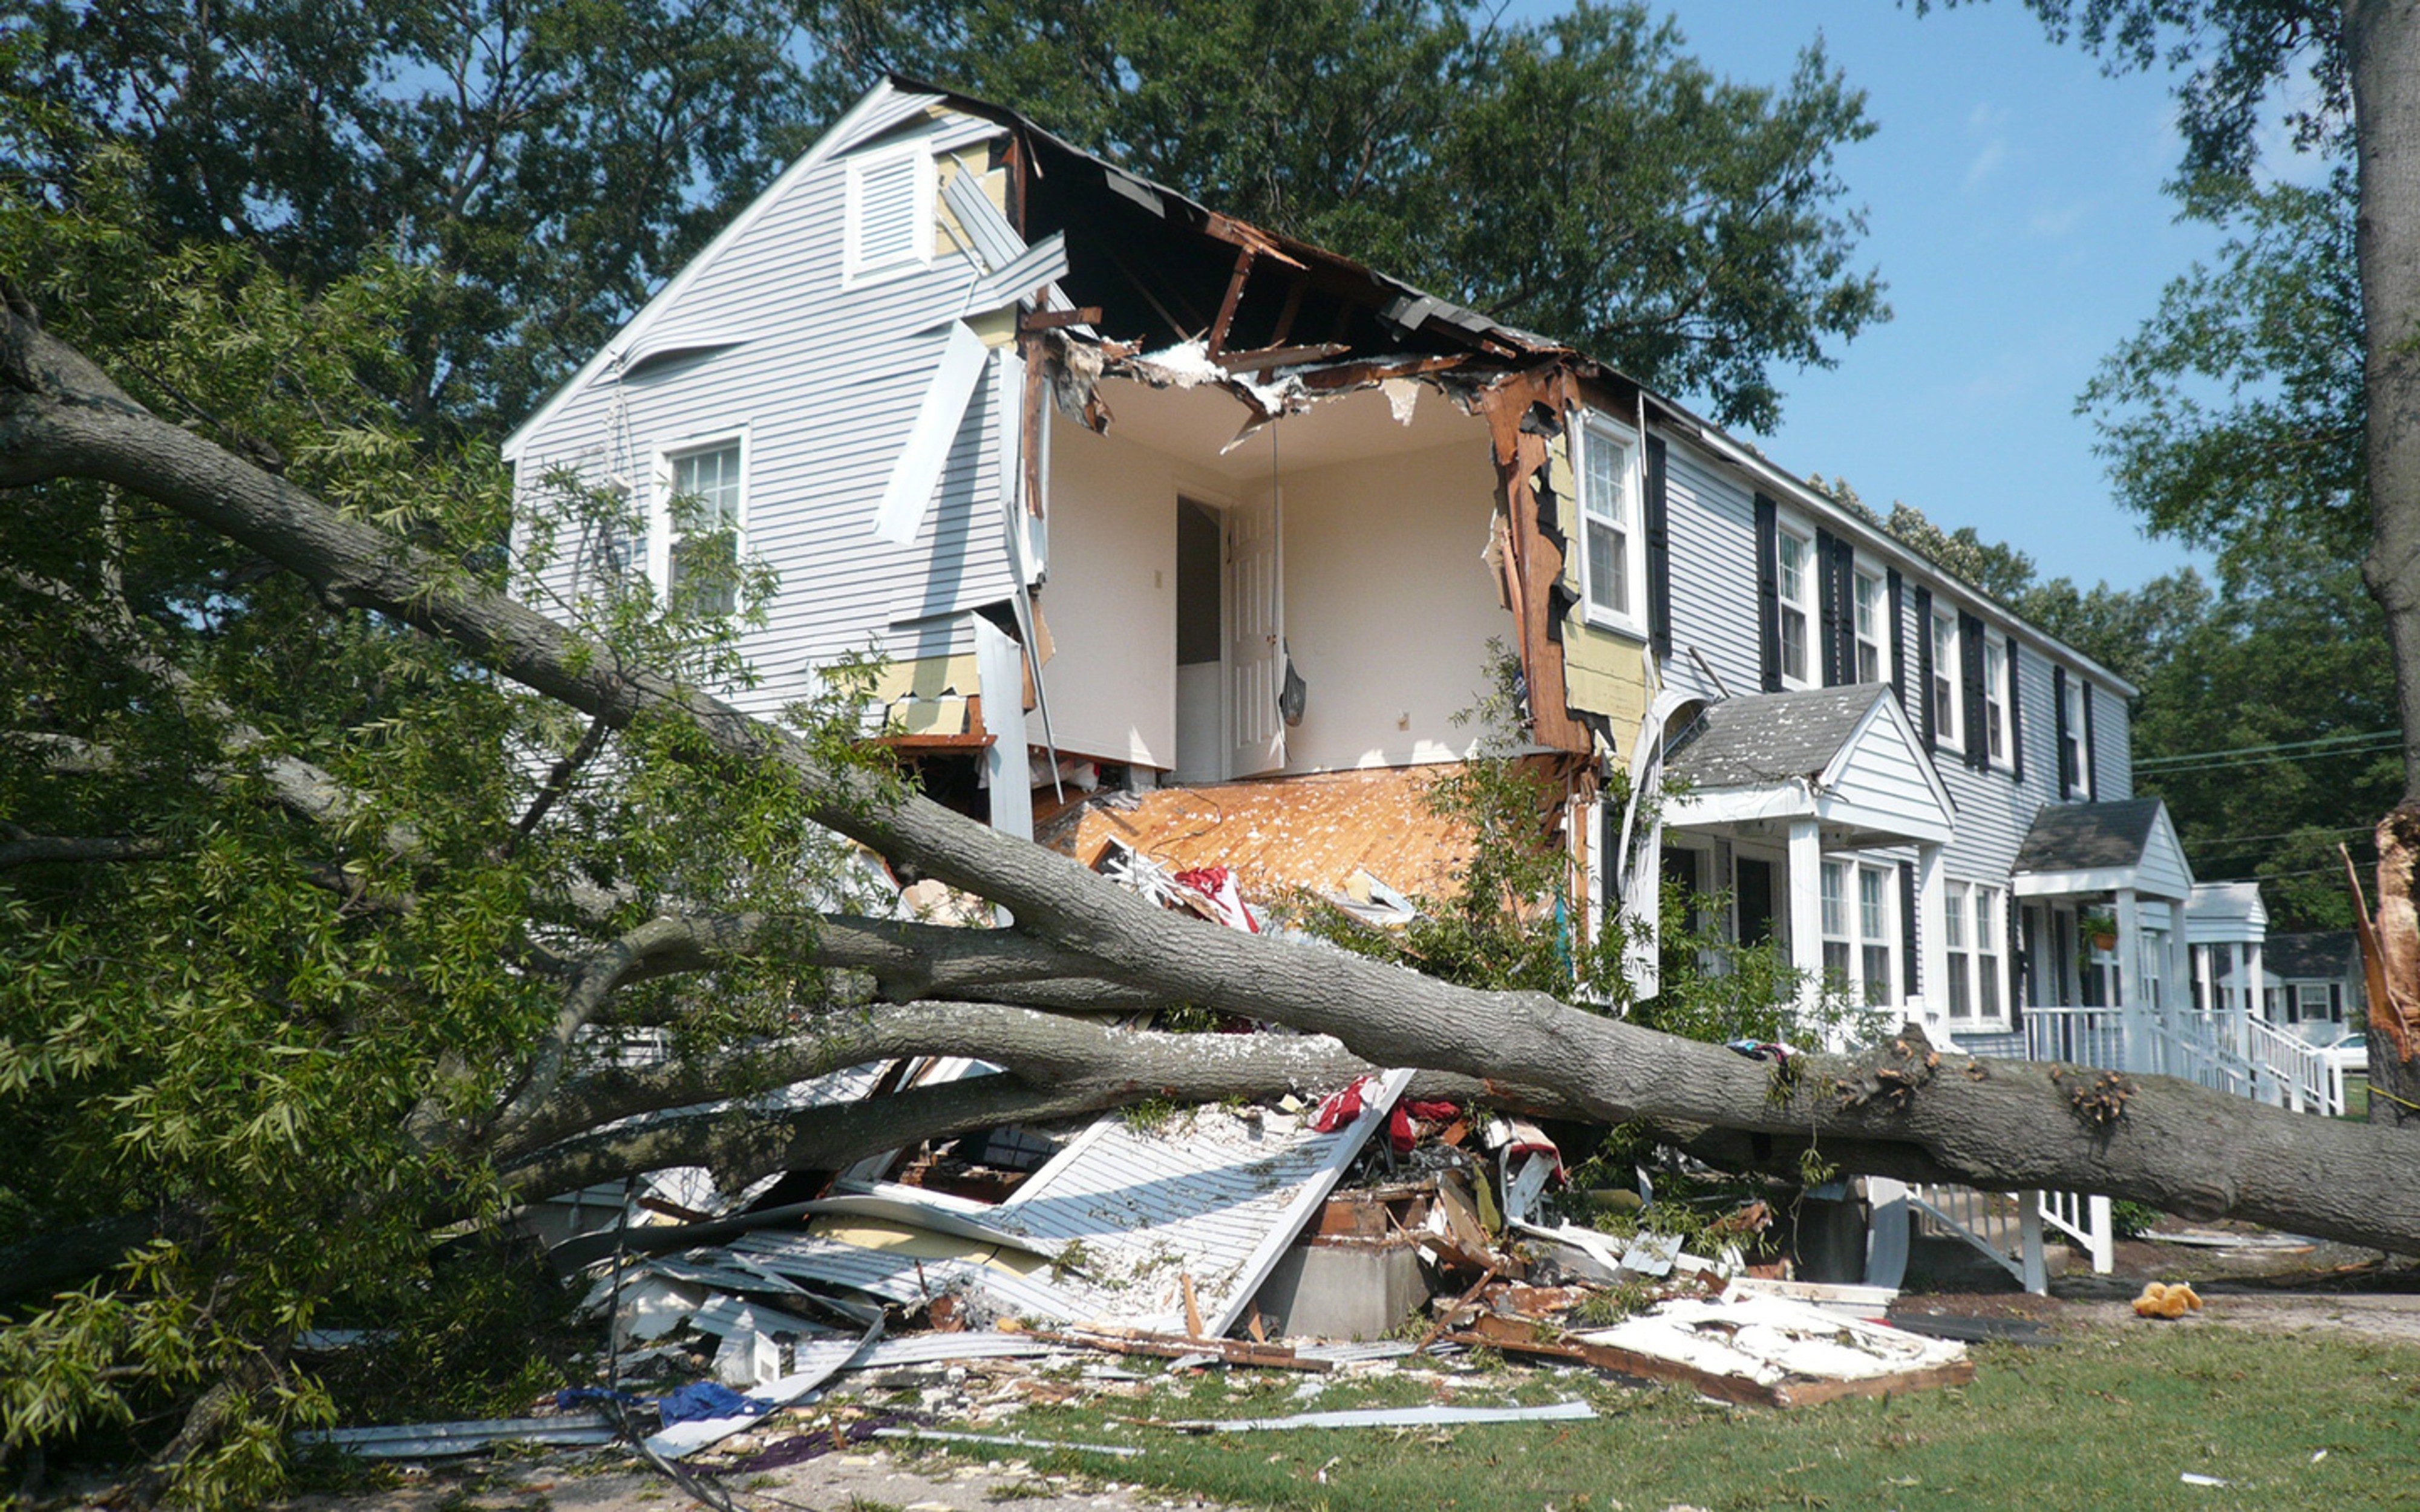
[890, 211]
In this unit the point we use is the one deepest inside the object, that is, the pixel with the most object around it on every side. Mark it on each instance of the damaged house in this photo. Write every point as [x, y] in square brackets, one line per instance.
[1131, 495]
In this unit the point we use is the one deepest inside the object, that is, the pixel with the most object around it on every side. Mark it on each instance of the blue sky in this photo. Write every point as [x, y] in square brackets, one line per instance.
[2013, 206]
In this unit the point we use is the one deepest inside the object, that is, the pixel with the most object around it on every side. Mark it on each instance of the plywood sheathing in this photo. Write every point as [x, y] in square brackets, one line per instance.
[1278, 833]
[1522, 456]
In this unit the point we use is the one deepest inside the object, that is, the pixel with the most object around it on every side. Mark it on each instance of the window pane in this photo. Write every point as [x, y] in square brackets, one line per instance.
[1793, 645]
[1870, 903]
[1836, 963]
[1953, 918]
[1961, 1005]
[1603, 570]
[1794, 568]
[1986, 906]
[1867, 590]
[1987, 970]
[1602, 487]
[1869, 663]
[1878, 976]
[1835, 913]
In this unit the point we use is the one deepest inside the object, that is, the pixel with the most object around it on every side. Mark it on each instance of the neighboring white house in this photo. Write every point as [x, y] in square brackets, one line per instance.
[1127, 491]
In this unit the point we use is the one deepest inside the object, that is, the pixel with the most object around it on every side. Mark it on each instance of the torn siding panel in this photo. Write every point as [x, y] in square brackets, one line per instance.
[1603, 673]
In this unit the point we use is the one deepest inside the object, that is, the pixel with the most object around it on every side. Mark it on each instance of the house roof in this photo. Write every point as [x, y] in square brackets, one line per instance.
[2088, 837]
[2319, 955]
[1769, 737]
[1843, 756]
[1275, 833]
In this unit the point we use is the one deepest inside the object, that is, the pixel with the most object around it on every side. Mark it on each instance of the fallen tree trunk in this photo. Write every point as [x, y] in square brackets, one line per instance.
[1997, 1125]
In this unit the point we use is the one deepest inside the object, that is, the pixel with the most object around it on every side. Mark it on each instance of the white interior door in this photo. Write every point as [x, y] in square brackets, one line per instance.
[1255, 639]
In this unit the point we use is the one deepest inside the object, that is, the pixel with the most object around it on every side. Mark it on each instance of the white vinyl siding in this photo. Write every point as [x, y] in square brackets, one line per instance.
[829, 382]
[1612, 565]
[1794, 576]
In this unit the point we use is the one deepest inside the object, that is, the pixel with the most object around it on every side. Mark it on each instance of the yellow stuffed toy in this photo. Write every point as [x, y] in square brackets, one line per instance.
[2161, 1300]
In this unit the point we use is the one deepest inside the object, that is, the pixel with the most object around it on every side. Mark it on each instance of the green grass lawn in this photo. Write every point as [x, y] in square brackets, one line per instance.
[2107, 1418]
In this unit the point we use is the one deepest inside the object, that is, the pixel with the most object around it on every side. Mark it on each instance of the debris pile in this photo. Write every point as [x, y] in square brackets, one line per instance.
[957, 1284]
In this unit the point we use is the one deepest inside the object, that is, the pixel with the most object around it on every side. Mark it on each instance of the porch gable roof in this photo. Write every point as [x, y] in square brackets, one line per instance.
[1844, 755]
[2102, 847]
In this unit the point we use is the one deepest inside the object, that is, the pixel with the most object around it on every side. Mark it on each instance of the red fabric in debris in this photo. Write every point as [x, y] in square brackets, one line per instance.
[1340, 1108]
[1216, 884]
[1435, 1112]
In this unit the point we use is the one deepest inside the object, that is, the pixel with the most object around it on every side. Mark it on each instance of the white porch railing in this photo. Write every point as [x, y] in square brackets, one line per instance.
[2231, 1052]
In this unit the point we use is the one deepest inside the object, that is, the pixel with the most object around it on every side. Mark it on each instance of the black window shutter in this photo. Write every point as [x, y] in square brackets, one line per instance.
[1908, 987]
[1608, 848]
[1659, 554]
[1768, 591]
[2016, 968]
[1828, 607]
[2059, 733]
[2016, 715]
[1897, 640]
[2091, 774]
[1924, 666]
[1970, 671]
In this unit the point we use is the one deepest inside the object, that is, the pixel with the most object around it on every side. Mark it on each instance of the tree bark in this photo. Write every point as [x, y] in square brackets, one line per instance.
[1996, 1124]
[2382, 52]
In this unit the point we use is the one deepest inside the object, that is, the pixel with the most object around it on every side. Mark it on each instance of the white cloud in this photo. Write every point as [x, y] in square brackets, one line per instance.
[2055, 220]
[1991, 124]
[1985, 162]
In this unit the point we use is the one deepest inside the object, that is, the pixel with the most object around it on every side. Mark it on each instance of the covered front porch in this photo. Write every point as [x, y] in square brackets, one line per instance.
[1818, 815]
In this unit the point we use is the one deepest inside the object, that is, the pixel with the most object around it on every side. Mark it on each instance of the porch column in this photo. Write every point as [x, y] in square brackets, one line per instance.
[2255, 986]
[2124, 991]
[1807, 909]
[2236, 1000]
[2204, 961]
[2179, 968]
[1931, 943]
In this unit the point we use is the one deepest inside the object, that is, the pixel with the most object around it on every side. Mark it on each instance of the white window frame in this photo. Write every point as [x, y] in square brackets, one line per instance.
[1948, 671]
[1839, 952]
[1810, 670]
[1999, 739]
[1877, 931]
[1870, 613]
[857, 268]
[2080, 786]
[1976, 931]
[663, 533]
[1616, 521]
[1850, 931]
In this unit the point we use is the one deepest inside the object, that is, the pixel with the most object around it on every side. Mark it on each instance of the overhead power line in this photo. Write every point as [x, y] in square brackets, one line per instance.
[2324, 744]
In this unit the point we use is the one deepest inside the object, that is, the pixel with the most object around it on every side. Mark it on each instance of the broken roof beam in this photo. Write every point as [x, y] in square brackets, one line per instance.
[1220, 327]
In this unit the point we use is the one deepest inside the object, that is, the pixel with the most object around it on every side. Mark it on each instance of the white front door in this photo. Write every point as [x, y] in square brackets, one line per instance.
[1255, 639]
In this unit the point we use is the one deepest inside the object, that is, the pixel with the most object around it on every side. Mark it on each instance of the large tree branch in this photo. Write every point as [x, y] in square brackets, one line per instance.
[2175, 1145]
[1055, 1067]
